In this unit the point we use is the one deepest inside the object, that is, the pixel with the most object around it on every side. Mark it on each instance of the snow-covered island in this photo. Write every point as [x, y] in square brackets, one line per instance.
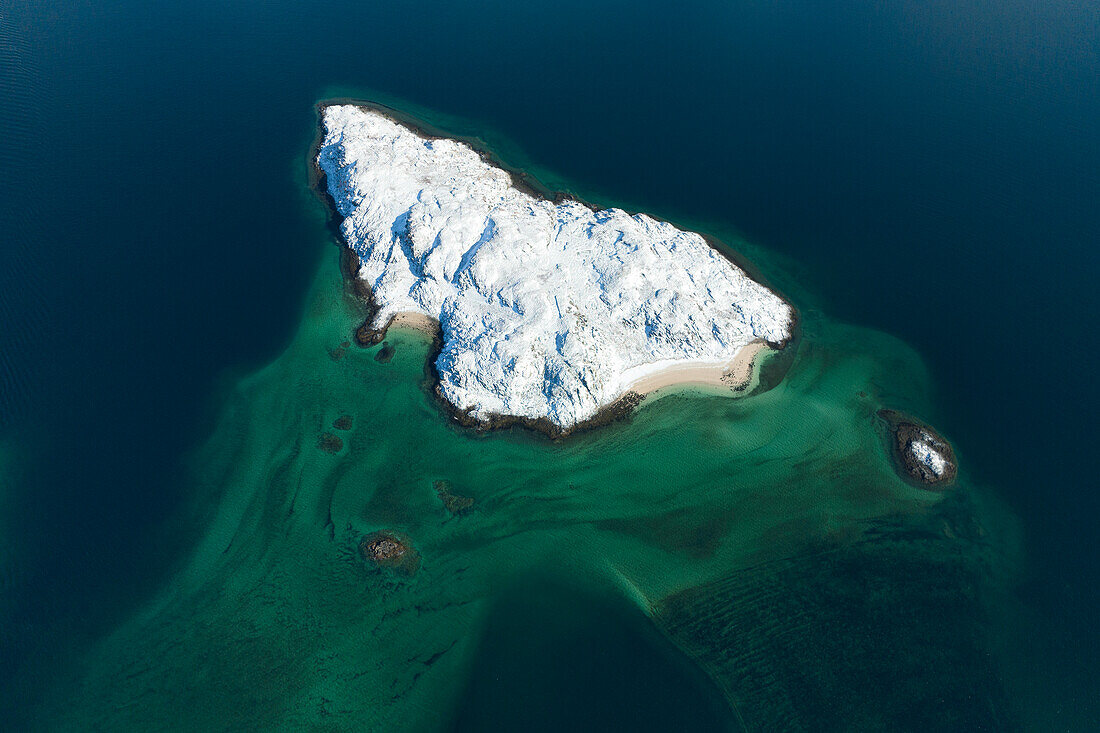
[549, 311]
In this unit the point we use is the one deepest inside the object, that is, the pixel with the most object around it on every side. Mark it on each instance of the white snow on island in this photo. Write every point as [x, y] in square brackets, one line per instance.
[547, 310]
[924, 451]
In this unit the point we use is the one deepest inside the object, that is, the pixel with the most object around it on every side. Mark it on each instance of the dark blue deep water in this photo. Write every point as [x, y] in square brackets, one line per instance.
[929, 168]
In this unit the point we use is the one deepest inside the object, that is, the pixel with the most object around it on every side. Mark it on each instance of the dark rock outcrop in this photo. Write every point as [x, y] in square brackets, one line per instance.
[920, 454]
[390, 550]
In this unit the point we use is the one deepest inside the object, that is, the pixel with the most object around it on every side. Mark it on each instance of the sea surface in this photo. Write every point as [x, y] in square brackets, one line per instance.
[922, 180]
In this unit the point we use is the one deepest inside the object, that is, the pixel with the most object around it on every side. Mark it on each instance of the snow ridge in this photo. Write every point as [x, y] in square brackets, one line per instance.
[924, 451]
[547, 310]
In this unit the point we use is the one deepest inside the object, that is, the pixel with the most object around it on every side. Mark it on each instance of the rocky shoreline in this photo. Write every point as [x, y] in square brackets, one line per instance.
[390, 550]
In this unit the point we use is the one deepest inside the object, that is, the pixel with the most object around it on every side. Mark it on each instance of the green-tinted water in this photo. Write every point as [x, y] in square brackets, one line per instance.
[766, 536]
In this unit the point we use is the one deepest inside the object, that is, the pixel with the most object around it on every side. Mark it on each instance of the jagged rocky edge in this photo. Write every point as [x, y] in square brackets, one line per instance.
[358, 289]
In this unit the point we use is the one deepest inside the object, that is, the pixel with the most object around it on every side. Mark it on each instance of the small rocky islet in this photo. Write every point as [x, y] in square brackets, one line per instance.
[920, 453]
[390, 550]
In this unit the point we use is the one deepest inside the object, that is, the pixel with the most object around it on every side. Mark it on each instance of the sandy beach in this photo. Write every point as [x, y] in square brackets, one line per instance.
[733, 374]
[414, 321]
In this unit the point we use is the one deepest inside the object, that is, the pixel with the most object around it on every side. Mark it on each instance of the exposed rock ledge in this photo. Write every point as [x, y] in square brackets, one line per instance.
[549, 311]
[391, 550]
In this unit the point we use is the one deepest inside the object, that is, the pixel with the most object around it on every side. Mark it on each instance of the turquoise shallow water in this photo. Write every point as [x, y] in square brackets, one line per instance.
[924, 170]
[585, 571]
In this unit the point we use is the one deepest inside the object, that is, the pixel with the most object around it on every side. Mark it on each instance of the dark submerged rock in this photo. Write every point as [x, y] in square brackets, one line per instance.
[342, 423]
[455, 504]
[385, 354]
[896, 628]
[330, 443]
